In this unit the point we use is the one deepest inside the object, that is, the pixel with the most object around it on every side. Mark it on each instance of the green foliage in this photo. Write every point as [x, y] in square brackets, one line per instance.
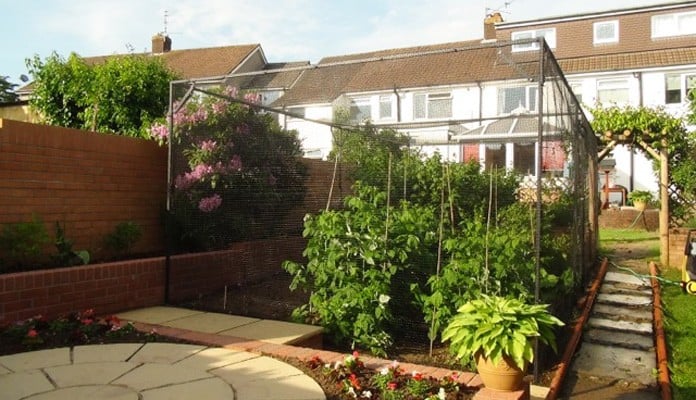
[237, 171]
[123, 95]
[641, 196]
[352, 265]
[66, 255]
[7, 90]
[122, 239]
[22, 243]
[651, 125]
[497, 326]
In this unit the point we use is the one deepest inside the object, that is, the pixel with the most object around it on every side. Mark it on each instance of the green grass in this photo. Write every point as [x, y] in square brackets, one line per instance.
[680, 328]
[609, 235]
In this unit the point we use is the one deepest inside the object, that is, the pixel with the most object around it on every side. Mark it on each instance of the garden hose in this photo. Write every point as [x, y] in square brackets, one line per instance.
[645, 276]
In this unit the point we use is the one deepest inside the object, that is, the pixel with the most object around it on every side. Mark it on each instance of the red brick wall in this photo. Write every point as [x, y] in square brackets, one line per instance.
[107, 288]
[247, 262]
[623, 218]
[88, 181]
[119, 286]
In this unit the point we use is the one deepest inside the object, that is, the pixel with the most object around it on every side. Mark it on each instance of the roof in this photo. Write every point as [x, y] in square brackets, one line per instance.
[629, 61]
[511, 127]
[273, 76]
[442, 64]
[196, 63]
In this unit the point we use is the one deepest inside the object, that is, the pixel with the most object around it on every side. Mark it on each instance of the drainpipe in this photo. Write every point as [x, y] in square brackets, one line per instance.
[398, 105]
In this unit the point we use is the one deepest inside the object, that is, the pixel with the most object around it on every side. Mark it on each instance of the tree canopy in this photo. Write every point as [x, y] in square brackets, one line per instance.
[7, 90]
[122, 95]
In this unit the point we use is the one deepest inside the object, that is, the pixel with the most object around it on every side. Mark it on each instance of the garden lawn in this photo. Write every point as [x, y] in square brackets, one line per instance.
[680, 328]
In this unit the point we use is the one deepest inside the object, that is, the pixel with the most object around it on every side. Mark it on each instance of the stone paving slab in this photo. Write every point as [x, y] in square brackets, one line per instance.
[36, 359]
[154, 371]
[619, 363]
[19, 385]
[157, 315]
[213, 358]
[623, 299]
[634, 313]
[165, 353]
[626, 278]
[278, 332]
[104, 352]
[206, 389]
[89, 393]
[210, 322]
[636, 327]
[621, 339]
[614, 289]
[101, 373]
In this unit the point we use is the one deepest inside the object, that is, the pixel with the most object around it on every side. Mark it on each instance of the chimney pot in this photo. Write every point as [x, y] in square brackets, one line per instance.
[161, 44]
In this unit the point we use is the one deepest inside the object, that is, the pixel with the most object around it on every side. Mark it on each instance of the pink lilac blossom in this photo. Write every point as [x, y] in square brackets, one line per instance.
[219, 107]
[210, 204]
[200, 171]
[230, 91]
[254, 98]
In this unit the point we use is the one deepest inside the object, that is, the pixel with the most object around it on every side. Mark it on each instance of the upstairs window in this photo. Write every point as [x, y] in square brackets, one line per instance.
[360, 110]
[613, 91]
[676, 24]
[606, 32]
[385, 107]
[549, 34]
[513, 98]
[679, 87]
[432, 105]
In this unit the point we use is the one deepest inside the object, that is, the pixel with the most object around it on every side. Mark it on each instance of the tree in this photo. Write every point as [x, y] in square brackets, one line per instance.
[7, 90]
[123, 95]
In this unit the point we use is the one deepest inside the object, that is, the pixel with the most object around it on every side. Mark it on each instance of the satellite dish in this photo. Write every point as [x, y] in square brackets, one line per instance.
[23, 78]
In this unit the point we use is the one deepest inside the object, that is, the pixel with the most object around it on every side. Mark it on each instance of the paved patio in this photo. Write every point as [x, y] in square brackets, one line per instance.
[151, 371]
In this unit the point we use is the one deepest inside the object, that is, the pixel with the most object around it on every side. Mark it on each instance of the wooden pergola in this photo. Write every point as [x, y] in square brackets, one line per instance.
[645, 140]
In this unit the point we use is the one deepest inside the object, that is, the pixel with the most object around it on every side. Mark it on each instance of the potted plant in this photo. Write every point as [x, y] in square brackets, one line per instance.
[498, 332]
[640, 199]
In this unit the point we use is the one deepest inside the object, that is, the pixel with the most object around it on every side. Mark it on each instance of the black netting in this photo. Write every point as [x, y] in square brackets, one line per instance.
[410, 200]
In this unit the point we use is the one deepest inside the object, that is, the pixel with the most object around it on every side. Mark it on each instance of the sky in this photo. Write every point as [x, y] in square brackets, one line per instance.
[287, 30]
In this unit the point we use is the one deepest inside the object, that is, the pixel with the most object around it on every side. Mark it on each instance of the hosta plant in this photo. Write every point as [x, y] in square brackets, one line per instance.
[498, 327]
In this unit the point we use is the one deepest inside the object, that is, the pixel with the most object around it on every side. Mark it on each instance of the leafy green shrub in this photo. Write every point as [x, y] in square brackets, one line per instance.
[122, 239]
[22, 244]
[66, 255]
[233, 165]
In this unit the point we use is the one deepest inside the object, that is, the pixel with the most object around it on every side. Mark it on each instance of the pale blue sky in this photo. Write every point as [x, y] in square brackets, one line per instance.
[288, 30]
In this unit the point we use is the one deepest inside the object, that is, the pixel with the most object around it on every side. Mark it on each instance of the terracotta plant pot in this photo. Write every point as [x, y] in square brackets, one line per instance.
[505, 376]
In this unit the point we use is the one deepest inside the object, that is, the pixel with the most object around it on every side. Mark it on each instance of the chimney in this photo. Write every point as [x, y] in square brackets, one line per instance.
[489, 25]
[161, 43]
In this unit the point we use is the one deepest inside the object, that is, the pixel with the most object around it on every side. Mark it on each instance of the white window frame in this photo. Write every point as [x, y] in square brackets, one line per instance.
[361, 103]
[614, 84]
[683, 86]
[428, 99]
[675, 24]
[577, 89]
[596, 29]
[528, 90]
[383, 100]
[548, 33]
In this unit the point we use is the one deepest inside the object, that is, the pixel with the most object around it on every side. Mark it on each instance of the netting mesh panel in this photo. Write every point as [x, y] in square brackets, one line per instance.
[253, 167]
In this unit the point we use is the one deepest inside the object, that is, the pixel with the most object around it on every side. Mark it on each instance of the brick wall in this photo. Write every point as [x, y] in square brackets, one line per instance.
[119, 286]
[88, 181]
[107, 288]
[246, 262]
[623, 218]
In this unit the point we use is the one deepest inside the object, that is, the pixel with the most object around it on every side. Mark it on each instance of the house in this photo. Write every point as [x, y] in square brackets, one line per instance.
[635, 56]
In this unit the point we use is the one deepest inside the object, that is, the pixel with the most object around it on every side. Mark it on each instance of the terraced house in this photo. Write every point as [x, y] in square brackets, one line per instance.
[448, 98]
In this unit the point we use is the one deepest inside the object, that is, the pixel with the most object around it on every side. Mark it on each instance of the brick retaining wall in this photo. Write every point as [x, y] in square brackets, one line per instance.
[120, 286]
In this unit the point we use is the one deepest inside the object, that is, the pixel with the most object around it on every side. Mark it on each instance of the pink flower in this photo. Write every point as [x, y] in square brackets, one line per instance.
[391, 385]
[230, 91]
[208, 145]
[159, 132]
[32, 333]
[210, 204]
[219, 107]
[254, 98]
[355, 352]
[354, 381]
